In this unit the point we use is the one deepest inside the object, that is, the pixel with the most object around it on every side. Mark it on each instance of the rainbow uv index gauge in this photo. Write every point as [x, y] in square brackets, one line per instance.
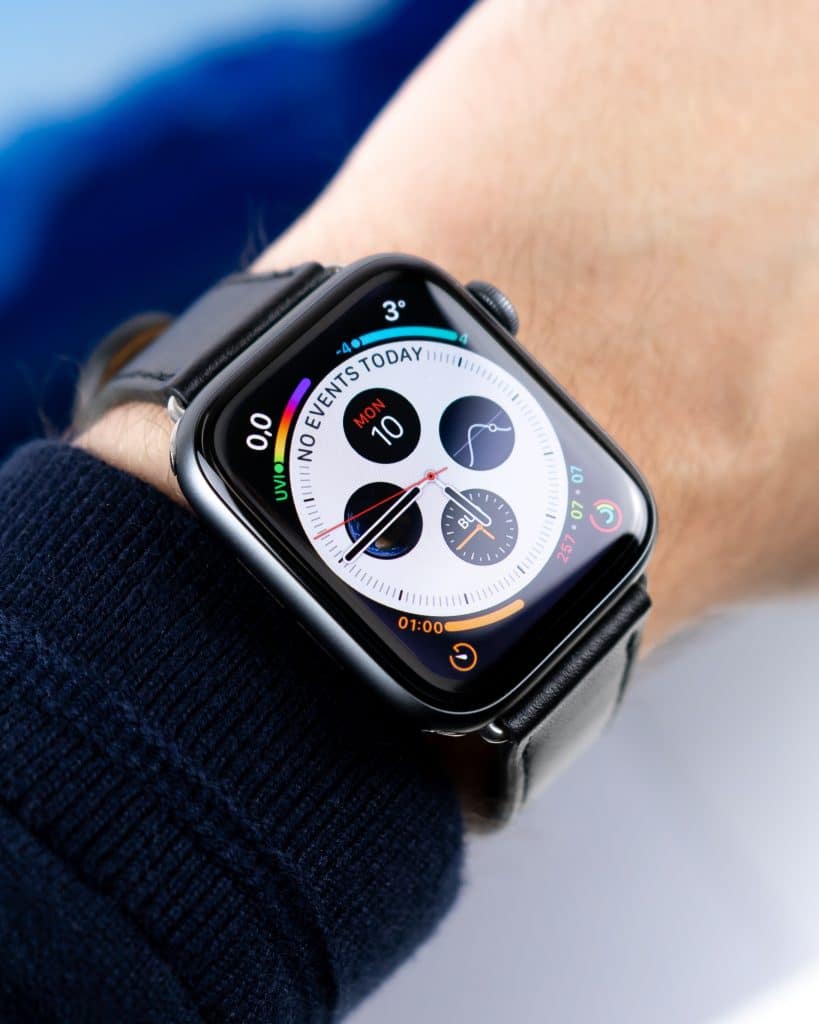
[286, 422]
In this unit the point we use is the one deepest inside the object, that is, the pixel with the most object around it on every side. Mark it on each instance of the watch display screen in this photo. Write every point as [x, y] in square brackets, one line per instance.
[439, 496]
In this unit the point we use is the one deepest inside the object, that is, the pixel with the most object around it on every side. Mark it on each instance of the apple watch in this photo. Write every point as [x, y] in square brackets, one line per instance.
[439, 514]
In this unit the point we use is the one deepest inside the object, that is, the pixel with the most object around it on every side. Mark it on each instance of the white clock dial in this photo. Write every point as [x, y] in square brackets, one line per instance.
[428, 478]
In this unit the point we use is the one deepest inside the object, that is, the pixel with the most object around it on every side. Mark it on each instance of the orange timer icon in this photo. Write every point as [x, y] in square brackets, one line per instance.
[464, 657]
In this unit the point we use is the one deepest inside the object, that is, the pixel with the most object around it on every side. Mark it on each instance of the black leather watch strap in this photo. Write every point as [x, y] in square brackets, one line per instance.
[151, 357]
[501, 768]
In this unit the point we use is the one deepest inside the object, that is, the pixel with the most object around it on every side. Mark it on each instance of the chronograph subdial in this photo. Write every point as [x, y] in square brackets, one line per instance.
[480, 540]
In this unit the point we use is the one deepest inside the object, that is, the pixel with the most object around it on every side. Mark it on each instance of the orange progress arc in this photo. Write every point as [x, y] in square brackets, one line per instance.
[461, 625]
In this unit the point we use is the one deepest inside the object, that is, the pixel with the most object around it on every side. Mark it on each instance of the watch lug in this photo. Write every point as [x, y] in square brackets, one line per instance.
[494, 733]
[498, 304]
[172, 449]
[176, 410]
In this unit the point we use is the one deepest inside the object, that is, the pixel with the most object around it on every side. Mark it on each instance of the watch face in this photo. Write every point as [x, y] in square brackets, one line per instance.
[435, 492]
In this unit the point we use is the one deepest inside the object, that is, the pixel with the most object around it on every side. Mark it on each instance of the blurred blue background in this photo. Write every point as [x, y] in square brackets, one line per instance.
[146, 150]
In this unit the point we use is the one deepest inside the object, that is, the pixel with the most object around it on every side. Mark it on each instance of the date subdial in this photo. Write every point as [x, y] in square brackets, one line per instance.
[480, 541]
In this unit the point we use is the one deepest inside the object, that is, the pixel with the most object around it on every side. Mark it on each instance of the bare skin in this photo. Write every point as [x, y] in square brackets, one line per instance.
[643, 180]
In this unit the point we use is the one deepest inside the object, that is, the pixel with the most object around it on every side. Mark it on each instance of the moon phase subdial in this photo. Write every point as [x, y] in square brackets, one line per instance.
[480, 539]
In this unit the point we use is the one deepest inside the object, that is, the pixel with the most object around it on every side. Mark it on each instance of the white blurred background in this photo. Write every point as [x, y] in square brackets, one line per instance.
[670, 877]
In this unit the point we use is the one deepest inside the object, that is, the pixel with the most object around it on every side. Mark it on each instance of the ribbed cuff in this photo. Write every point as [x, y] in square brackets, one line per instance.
[186, 751]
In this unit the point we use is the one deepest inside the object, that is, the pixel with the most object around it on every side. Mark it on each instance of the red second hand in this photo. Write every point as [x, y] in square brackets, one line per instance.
[363, 512]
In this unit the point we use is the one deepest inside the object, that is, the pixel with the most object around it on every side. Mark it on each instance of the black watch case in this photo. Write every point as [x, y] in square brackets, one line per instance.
[284, 573]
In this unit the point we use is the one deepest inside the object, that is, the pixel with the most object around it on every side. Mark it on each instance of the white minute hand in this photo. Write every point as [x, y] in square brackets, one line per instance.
[384, 521]
[465, 503]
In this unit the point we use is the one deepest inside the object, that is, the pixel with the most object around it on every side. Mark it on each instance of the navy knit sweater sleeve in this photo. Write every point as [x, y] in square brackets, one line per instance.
[201, 817]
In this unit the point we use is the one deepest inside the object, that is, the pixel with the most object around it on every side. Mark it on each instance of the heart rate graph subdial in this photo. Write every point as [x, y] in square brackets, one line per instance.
[477, 433]
[484, 534]
[382, 521]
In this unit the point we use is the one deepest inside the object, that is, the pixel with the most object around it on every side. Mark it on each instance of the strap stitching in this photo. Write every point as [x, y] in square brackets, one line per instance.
[162, 377]
[244, 276]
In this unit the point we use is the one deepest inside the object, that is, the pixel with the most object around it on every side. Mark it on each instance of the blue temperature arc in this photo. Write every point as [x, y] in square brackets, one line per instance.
[388, 333]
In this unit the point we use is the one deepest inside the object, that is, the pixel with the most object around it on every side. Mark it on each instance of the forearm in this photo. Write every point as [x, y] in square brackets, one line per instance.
[649, 212]
[658, 253]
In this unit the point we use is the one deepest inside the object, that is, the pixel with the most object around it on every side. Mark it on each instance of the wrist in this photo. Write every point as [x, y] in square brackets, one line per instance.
[135, 438]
